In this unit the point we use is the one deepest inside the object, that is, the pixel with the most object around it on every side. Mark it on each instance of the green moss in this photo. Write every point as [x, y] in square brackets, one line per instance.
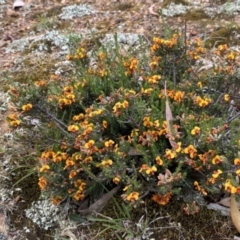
[195, 14]
[223, 35]
[165, 3]
[104, 24]
[52, 12]
[51, 23]
[124, 6]
[34, 70]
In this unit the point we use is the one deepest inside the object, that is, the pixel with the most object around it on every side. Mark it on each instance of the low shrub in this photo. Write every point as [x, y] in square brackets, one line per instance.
[155, 123]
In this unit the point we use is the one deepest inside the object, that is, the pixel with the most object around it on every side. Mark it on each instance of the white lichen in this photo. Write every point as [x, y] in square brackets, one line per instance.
[4, 101]
[179, 9]
[43, 213]
[231, 7]
[175, 9]
[76, 11]
[18, 45]
[130, 39]
[50, 41]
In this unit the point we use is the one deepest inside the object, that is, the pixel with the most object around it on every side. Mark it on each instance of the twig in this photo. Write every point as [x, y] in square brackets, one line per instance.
[57, 121]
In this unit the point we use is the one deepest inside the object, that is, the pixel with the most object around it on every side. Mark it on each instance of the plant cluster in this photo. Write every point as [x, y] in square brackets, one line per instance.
[152, 124]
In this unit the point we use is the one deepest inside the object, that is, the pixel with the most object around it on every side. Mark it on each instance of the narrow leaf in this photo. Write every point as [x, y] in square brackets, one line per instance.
[169, 118]
[234, 212]
[100, 203]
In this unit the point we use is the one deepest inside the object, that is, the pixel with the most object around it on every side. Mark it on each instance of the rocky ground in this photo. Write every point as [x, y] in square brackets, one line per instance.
[33, 46]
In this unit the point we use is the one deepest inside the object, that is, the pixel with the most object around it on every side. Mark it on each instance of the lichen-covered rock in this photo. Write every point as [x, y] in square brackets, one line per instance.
[76, 11]
[3, 236]
[43, 213]
[175, 9]
[130, 39]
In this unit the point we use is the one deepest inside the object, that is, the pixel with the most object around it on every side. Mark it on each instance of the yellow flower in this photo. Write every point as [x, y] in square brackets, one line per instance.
[238, 172]
[195, 131]
[125, 104]
[44, 168]
[56, 200]
[169, 154]
[231, 56]
[88, 129]
[199, 84]
[107, 163]
[116, 180]
[102, 72]
[67, 89]
[229, 187]
[144, 167]
[117, 107]
[68, 57]
[191, 150]
[81, 53]
[178, 96]
[109, 143]
[216, 160]
[73, 128]
[151, 170]
[159, 161]
[42, 183]
[216, 173]
[101, 56]
[147, 122]
[196, 185]
[47, 154]
[59, 156]
[226, 98]
[72, 174]
[80, 184]
[89, 144]
[146, 91]
[156, 123]
[222, 47]
[88, 159]
[202, 102]
[40, 83]
[212, 180]
[237, 161]
[78, 195]
[178, 147]
[132, 197]
[199, 188]
[15, 123]
[27, 107]
[133, 63]
[104, 124]
[96, 112]
[70, 97]
[69, 162]
[131, 66]
[154, 79]
[161, 200]
[12, 116]
[64, 102]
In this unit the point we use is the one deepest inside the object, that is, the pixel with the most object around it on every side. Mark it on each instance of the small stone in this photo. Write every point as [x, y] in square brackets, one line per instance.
[18, 4]
[193, 33]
